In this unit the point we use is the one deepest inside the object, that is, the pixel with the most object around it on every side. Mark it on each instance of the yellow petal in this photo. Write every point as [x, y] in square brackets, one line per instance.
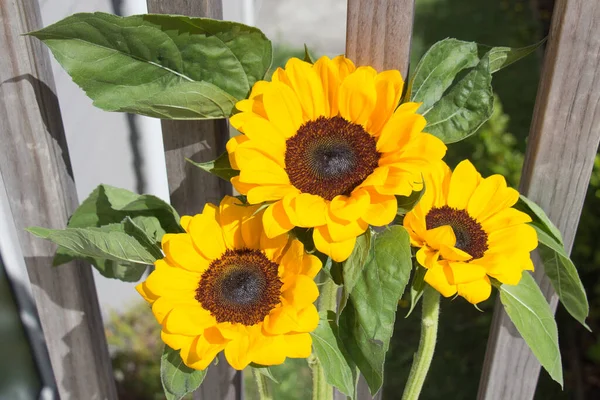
[398, 182]
[273, 247]
[338, 251]
[514, 239]
[349, 208]
[201, 354]
[453, 253]
[172, 281]
[266, 138]
[437, 277]
[207, 236]
[258, 169]
[344, 65]
[442, 235]
[232, 145]
[306, 210]
[146, 293]
[231, 212]
[251, 230]
[269, 350]
[463, 183]
[308, 87]
[163, 306]
[237, 353]
[185, 221]
[476, 291]
[275, 220]
[357, 96]
[302, 293]
[176, 342]
[330, 81]
[311, 265]
[382, 209]
[283, 108]
[504, 268]
[377, 178]
[341, 230]
[287, 319]
[505, 219]
[298, 345]
[188, 320]
[427, 257]
[399, 130]
[465, 272]
[388, 85]
[491, 196]
[242, 188]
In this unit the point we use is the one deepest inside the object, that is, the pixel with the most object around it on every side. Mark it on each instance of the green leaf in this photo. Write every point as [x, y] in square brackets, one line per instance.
[538, 217]
[353, 266]
[417, 286]
[108, 204]
[466, 106]
[332, 355]
[117, 242]
[163, 66]
[438, 68]
[219, 167]
[367, 322]
[564, 277]
[177, 379]
[502, 57]
[407, 203]
[528, 310]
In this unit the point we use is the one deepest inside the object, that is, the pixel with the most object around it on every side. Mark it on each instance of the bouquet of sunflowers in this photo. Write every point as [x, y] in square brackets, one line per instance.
[344, 203]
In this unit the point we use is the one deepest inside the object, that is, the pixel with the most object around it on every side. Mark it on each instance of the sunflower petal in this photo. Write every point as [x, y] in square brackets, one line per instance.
[283, 108]
[437, 277]
[476, 291]
[308, 87]
[207, 236]
[388, 85]
[275, 220]
[382, 209]
[357, 96]
[463, 183]
[338, 251]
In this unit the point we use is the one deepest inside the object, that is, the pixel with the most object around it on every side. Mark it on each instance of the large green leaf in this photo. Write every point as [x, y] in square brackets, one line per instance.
[220, 167]
[538, 217]
[438, 68]
[112, 242]
[177, 379]
[353, 266]
[466, 106]
[332, 356]
[564, 277]
[528, 310]
[367, 322]
[163, 66]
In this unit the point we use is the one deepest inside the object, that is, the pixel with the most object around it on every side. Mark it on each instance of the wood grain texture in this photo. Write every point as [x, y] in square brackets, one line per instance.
[39, 185]
[563, 141]
[379, 32]
[190, 188]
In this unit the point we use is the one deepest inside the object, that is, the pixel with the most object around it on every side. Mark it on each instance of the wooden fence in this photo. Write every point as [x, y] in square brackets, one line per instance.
[38, 180]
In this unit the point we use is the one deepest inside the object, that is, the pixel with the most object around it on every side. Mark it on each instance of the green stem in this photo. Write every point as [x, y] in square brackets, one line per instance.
[263, 385]
[422, 360]
[327, 301]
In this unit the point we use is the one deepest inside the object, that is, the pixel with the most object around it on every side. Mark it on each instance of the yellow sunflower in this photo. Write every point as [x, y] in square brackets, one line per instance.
[467, 232]
[225, 285]
[329, 147]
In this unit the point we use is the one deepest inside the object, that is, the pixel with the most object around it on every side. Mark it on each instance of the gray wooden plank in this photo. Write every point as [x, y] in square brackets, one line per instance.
[563, 141]
[38, 181]
[189, 187]
[379, 33]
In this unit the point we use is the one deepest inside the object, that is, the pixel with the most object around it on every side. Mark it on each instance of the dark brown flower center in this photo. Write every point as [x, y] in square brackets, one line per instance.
[330, 156]
[470, 237]
[242, 286]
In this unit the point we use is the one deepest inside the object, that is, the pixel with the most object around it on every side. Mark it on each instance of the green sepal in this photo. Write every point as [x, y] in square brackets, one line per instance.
[417, 286]
[264, 370]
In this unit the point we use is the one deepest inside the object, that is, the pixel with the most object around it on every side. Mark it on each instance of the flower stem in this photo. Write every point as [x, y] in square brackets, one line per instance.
[327, 301]
[422, 360]
[263, 385]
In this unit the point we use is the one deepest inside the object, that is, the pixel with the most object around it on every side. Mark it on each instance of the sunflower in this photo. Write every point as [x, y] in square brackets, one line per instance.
[467, 232]
[328, 147]
[225, 286]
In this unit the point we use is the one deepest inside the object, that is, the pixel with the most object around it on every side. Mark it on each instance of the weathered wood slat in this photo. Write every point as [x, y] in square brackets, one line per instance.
[189, 187]
[563, 141]
[379, 33]
[38, 181]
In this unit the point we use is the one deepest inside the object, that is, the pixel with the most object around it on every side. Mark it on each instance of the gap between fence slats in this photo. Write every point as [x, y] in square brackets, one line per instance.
[379, 33]
[189, 187]
[563, 142]
[38, 181]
